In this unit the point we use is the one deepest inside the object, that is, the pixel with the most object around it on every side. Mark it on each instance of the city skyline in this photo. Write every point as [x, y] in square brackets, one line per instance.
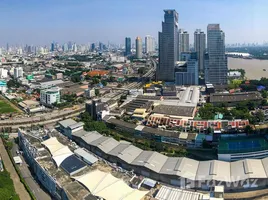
[39, 23]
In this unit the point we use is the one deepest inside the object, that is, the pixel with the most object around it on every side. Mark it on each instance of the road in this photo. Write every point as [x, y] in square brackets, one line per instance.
[39, 193]
[19, 187]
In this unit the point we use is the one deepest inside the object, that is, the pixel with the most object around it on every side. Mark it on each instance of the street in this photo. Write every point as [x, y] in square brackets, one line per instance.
[39, 193]
[19, 187]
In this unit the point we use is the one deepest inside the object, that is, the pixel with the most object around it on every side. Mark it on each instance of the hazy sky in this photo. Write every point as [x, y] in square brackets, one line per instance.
[42, 21]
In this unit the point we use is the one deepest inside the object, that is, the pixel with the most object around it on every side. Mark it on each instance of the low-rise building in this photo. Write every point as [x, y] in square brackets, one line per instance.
[234, 98]
[50, 96]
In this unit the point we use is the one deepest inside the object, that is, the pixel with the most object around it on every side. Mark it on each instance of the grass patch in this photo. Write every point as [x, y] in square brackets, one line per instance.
[6, 107]
[7, 190]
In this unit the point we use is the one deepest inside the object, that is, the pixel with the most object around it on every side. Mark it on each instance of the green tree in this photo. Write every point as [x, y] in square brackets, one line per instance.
[97, 92]
[104, 82]
[141, 70]
[259, 116]
[248, 129]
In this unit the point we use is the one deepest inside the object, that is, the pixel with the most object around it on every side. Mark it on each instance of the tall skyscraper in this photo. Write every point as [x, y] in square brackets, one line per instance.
[168, 46]
[216, 68]
[52, 47]
[127, 46]
[200, 48]
[93, 47]
[138, 48]
[149, 44]
[184, 45]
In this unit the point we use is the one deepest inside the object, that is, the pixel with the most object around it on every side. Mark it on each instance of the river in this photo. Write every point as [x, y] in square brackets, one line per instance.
[253, 67]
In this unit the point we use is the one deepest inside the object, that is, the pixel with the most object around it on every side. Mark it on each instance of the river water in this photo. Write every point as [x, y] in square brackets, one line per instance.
[253, 67]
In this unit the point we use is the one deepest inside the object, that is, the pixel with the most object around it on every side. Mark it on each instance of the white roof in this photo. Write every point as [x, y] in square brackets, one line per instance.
[213, 170]
[169, 193]
[248, 168]
[86, 155]
[17, 160]
[183, 136]
[109, 187]
[58, 151]
[53, 144]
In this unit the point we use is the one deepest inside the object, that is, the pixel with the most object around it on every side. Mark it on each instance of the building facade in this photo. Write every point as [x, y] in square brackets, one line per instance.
[128, 46]
[190, 77]
[50, 96]
[18, 72]
[149, 44]
[216, 69]
[200, 48]
[168, 46]
[138, 48]
[184, 45]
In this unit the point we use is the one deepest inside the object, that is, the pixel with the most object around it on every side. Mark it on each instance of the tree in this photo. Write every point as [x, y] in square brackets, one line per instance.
[259, 116]
[75, 78]
[264, 94]
[104, 82]
[248, 129]
[141, 70]
[95, 80]
[97, 92]
[13, 83]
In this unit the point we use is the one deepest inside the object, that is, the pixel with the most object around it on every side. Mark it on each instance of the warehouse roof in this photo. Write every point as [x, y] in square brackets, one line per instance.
[213, 170]
[159, 132]
[91, 136]
[67, 122]
[175, 110]
[121, 123]
[130, 153]
[58, 151]
[234, 97]
[119, 148]
[105, 144]
[108, 187]
[86, 155]
[169, 193]
[151, 160]
[73, 165]
[248, 168]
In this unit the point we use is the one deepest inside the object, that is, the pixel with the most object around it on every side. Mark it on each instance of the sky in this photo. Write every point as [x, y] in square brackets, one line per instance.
[39, 22]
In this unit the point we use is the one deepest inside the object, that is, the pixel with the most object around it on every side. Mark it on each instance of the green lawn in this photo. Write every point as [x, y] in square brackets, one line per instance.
[7, 191]
[6, 108]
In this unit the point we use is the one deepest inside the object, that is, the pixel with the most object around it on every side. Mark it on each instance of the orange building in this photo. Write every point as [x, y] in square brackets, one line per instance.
[97, 73]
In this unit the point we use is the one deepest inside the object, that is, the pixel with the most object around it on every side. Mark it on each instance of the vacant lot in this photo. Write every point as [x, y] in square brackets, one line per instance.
[6, 108]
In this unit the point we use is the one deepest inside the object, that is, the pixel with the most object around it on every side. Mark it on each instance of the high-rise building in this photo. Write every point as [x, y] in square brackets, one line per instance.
[168, 46]
[93, 47]
[149, 44]
[95, 107]
[52, 47]
[127, 46]
[184, 45]
[216, 68]
[188, 73]
[65, 47]
[74, 47]
[138, 48]
[100, 46]
[18, 72]
[200, 48]
[0, 51]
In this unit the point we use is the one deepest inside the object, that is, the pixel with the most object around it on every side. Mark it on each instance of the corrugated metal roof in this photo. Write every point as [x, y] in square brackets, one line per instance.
[86, 155]
[169, 193]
